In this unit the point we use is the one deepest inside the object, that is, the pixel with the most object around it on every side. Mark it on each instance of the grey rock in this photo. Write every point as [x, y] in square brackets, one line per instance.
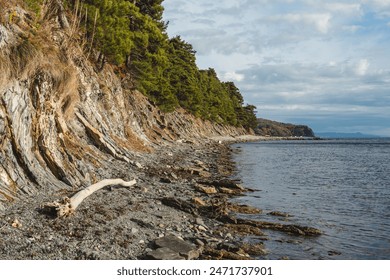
[91, 254]
[199, 221]
[202, 228]
[279, 214]
[165, 254]
[165, 180]
[185, 249]
[334, 253]
[199, 242]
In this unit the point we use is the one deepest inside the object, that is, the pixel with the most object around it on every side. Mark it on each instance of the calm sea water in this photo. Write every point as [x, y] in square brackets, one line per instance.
[341, 187]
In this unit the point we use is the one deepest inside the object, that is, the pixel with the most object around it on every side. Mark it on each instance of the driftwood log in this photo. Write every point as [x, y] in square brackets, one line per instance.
[67, 206]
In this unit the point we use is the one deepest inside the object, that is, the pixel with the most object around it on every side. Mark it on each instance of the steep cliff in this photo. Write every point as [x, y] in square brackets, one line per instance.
[64, 123]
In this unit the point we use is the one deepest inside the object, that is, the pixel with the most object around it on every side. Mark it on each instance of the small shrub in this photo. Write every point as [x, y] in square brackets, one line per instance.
[35, 6]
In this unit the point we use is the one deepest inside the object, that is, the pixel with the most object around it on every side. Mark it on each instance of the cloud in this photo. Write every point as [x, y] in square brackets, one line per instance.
[381, 8]
[362, 67]
[352, 28]
[204, 21]
[233, 76]
[378, 3]
[330, 90]
[323, 63]
[320, 21]
[345, 8]
[204, 32]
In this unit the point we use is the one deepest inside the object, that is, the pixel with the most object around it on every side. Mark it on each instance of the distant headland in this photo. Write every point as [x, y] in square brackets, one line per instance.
[277, 129]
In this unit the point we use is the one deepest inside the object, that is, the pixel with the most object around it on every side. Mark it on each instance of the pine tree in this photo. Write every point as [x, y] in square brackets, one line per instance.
[132, 33]
[152, 8]
[184, 75]
[113, 36]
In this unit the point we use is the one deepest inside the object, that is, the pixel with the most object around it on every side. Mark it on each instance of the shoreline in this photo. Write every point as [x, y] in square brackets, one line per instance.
[255, 138]
[183, 191]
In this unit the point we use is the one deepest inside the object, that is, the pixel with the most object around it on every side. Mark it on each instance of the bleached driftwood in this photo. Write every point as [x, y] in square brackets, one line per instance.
[67, 205]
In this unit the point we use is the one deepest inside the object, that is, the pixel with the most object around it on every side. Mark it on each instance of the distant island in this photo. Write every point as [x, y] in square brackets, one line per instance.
[267, 127]
[277, 129]
[345, 135]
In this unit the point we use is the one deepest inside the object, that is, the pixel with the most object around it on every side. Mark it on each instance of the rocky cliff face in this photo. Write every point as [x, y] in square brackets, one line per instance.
[63, 123]
[272, 128]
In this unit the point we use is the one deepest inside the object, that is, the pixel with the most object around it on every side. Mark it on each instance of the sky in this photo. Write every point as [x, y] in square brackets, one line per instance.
[325, 64]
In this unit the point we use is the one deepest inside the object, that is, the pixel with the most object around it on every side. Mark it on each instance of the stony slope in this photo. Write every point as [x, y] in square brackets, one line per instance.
[63, 123]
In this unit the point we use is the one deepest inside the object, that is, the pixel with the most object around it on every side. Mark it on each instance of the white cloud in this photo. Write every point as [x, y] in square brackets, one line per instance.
[378, 3]
[304, 59]
[320, 21]
[362, 67]
[233, 76]
[352, 28]
[345, 8]
[380, 7]
[317, 108]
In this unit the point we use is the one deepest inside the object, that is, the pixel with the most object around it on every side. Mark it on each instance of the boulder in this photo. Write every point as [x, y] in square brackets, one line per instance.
[179, 246]
[198, 201]
[180, 204]
[279, 214]
[228, 184]
[226, 191]
[206, 190]
[243, 209]
[198, 172]
[164, 254]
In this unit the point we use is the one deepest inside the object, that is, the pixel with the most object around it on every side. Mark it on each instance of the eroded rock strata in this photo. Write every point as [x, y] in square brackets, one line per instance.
[65, 124]
[62, 121]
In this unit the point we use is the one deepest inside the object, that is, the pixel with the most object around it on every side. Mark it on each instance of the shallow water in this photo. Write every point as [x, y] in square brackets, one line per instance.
[341, 187]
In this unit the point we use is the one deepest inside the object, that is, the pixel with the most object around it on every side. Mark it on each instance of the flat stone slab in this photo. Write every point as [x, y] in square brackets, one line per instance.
[206, 190]
[198, 201]
[164, 254]
[181, 247]
[226, 191]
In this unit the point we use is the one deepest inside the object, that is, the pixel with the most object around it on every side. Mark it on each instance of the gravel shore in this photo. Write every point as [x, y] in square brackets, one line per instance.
[182, 191]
